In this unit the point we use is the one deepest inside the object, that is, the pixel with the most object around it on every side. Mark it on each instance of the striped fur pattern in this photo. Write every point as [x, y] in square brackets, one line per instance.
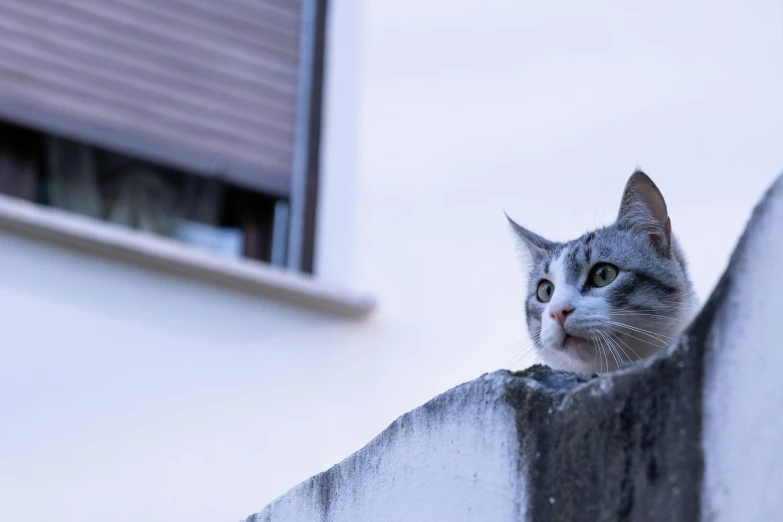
[588, 325]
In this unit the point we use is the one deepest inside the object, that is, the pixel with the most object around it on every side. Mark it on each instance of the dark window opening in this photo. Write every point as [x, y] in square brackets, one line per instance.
[208, 213]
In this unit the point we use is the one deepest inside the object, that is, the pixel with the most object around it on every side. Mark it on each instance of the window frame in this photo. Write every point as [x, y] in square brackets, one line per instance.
[294, 227]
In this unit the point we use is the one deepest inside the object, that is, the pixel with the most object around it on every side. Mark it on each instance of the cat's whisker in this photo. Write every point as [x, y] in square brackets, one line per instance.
[606, 354]
[662, 308]
[521, 357]
[603, 354]
[596, 346]
[529, 346]
[627, 313]
[645, 314]
[620, 346]
[621, 353]
[515, 348]
[617, 348]
[657, 336]
[526, 342]
[672, 312]
[646, 341]
[612, 351]
[601, 357]
[605, 357]
[618, 338]
[597, 349]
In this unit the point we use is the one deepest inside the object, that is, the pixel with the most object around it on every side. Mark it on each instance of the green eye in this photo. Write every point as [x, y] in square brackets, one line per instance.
[545, 291]
[602, 274]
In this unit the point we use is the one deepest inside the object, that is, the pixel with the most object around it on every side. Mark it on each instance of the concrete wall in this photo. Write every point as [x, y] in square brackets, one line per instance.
[742, 442]
[688, 435]
[456, 458]
[130, 395]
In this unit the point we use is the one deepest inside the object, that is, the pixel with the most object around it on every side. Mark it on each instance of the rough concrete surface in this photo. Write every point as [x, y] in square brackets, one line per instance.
[692, 434]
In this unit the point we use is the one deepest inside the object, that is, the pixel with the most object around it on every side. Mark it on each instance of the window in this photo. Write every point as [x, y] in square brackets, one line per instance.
[197, 121]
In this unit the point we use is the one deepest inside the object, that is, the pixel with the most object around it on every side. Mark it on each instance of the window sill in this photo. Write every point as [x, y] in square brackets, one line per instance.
[116, 242]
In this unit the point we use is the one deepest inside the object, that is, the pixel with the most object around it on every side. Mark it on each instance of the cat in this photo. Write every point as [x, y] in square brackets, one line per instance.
[614, 296]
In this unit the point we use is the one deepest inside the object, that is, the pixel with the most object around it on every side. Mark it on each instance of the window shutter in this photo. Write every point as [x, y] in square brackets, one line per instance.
[205, 86]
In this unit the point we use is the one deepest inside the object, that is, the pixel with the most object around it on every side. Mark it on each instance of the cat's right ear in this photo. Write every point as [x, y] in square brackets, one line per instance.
[643, 210]
[535, 245]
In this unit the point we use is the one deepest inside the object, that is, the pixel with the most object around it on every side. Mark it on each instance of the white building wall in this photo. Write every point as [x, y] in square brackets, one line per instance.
[131, 395]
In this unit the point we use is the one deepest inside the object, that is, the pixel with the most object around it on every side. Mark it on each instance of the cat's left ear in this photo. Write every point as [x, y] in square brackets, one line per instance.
[643, 211]
[535, 245]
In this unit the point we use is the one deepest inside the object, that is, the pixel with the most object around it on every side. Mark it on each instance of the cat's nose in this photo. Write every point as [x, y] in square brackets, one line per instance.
[560, 313]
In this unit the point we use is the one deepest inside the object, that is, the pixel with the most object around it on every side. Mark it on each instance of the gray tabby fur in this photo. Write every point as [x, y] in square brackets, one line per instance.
[650, 302]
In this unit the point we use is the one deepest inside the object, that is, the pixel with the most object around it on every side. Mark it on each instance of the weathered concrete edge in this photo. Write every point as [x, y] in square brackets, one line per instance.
[540, 383]
[622, 446]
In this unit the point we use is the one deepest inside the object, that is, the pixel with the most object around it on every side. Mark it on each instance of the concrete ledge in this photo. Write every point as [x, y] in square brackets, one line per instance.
[692, 434]
[455, 458]
[538, 445]
[116, 242]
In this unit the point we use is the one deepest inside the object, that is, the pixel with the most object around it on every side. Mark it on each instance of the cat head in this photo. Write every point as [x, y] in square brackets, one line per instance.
[613, 296]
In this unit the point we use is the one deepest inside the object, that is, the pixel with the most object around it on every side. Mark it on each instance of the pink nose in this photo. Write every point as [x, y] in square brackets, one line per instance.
[560, 313]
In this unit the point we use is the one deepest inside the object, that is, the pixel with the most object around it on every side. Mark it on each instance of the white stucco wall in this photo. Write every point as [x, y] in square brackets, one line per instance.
[129, 395]
[742, 443]
[454, 460]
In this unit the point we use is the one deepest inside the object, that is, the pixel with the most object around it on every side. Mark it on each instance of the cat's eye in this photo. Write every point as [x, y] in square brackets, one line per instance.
[545, 291]
[602, 274]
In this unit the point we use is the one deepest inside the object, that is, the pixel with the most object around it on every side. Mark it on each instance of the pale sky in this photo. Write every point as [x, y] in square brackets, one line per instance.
[544, 109]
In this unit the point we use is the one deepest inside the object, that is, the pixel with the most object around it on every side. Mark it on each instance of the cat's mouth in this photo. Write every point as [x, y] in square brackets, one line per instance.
[571, 340]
